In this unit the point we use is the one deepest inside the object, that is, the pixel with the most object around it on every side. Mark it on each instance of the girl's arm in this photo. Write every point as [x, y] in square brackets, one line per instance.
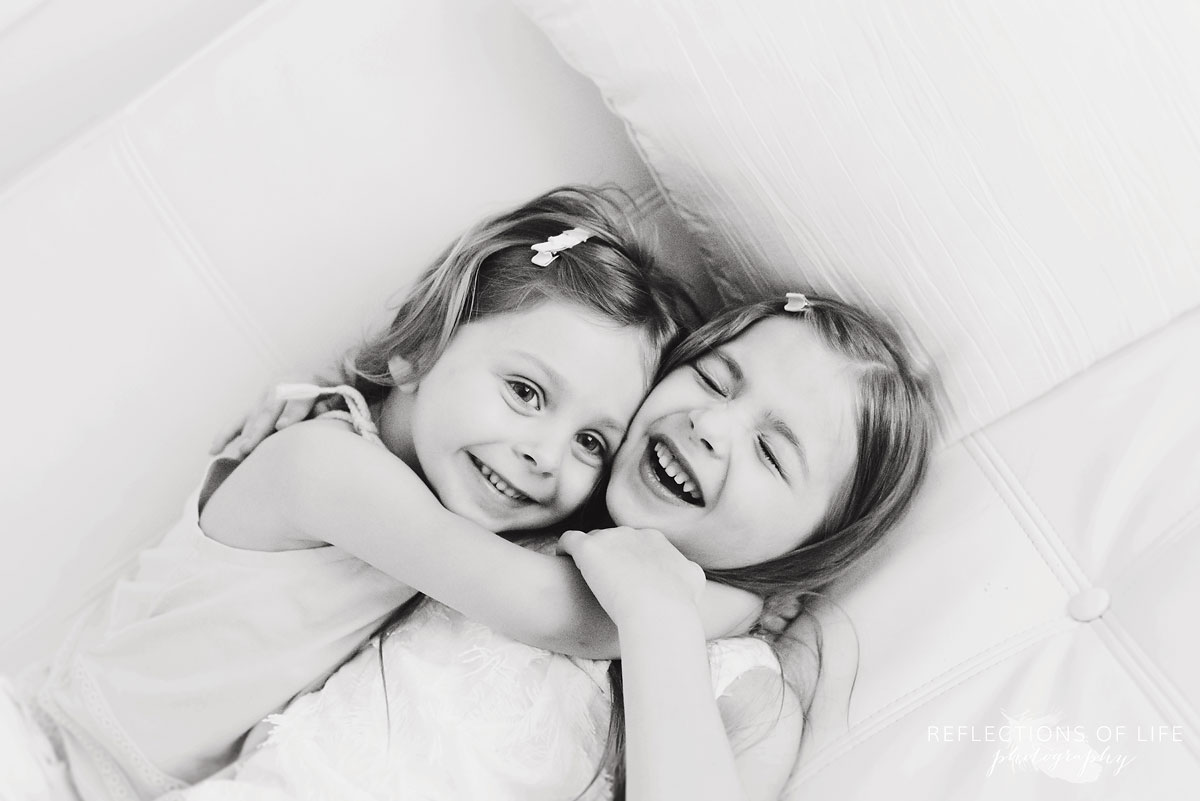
[677, 736]
[317, 483]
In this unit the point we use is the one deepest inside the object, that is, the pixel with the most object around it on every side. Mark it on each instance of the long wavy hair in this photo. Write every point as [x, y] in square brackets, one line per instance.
[896, 420]
[489, 270]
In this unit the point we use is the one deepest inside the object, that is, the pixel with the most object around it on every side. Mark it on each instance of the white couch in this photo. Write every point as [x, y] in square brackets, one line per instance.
[1015, 180]
[247, 212]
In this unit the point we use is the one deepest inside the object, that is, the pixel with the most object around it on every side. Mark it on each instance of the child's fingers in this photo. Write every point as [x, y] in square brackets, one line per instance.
[272, 414]
[569, 542]
[259, 427]
[226, 435]
[293, 412]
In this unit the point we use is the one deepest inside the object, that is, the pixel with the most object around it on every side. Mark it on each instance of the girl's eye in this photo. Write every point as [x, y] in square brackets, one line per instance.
[765, 449]
[709, 381]
[592, 443]
[524, 392]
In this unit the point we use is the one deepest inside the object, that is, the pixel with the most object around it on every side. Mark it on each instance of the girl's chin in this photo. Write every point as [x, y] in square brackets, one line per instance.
[625, 509]
[634, 513]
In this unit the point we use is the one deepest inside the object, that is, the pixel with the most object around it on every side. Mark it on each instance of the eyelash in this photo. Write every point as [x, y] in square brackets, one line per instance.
[513, 387]
[602, 451]
[760, 443]
[710, 382]
[766, 451]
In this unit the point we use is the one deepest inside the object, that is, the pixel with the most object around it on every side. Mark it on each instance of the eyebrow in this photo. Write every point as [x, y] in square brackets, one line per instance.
[774, 421]
[778, 426]
[735, 369]
[558, 385]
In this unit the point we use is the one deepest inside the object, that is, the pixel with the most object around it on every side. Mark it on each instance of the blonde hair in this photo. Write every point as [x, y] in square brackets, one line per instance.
[896, 421]
[489, 270]
[895, 425]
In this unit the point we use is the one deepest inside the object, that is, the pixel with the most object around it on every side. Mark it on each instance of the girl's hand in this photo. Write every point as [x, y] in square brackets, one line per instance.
[778, 613]
[270, 415]
[634, 572]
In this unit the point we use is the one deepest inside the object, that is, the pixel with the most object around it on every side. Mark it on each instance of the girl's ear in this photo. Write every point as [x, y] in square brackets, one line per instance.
[401, 371]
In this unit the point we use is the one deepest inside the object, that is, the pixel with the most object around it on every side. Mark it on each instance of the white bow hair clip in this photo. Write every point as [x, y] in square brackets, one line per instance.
[796, 302]
[548, 251]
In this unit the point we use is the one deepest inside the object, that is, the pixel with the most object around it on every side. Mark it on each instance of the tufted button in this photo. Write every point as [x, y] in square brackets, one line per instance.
[1088, 604]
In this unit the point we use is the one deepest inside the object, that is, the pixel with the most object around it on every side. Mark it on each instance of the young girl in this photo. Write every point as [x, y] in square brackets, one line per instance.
[781, 446]
[533, 340]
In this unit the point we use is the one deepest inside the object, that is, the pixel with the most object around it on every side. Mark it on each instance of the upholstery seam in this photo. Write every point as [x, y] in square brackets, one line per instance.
[886, 716]
[194, 254]
[1026, 513]
[89, 131]
[1132, 657]
[1029, 517]
[1190, 517]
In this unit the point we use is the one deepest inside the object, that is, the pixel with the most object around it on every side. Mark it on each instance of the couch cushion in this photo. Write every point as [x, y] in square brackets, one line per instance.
[246, 219]
[1016, 185]
[1048, 572]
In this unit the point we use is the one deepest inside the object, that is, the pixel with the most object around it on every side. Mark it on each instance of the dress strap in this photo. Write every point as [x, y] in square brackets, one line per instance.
[357, 413]
[731, 657]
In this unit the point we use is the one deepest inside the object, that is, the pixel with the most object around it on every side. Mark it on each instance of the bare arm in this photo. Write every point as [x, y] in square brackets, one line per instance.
[678, 737]
[317, 483]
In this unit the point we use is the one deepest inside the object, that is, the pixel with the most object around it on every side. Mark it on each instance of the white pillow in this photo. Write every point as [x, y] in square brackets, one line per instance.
[1016, 181]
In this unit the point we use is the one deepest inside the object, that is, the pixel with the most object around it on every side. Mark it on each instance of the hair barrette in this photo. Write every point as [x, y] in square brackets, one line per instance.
[548, 251]
[796, 302]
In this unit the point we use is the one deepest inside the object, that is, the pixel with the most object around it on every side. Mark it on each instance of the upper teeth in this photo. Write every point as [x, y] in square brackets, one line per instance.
[500, 483]
[675, 470]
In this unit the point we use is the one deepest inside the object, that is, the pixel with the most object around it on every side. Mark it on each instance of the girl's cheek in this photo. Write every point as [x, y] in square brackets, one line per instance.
[583, 482]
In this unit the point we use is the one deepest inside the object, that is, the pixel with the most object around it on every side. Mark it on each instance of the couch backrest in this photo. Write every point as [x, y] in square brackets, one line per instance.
[246, 216]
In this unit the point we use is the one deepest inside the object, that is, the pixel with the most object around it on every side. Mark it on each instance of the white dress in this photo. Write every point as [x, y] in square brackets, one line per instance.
[449, 710]
[158, 682]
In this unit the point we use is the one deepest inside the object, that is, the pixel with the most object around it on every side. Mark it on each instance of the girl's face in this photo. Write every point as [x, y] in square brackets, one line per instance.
[737, 457]
[517, 422]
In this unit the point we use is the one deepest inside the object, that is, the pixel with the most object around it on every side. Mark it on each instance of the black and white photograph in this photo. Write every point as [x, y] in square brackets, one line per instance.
[563, 400]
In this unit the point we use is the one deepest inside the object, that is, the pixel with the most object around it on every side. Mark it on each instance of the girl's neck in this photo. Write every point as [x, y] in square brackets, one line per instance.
[393, 418]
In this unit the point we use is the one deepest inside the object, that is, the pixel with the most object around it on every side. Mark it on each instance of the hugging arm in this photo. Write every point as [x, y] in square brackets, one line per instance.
[316, 483]
[680, 742]
[678, 739]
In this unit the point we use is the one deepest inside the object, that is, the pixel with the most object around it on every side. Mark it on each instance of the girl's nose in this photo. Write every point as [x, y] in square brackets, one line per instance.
[710, 427]
[541, 456]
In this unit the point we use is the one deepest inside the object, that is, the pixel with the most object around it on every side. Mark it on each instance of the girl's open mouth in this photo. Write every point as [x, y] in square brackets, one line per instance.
[671, 472]
[497, 482]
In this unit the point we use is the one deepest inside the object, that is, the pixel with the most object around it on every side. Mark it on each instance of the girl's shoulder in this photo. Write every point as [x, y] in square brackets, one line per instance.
[762, 714]
[249, 504]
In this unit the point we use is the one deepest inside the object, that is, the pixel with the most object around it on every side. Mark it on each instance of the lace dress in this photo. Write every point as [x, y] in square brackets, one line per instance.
[448, 710]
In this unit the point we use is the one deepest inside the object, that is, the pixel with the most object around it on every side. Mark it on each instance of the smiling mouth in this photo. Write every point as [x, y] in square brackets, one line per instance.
[498, 483]
[672, 473]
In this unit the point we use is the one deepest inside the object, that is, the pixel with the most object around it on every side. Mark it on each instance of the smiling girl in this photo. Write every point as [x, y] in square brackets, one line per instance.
[244, 602]
[675, 472]
[783, 442]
